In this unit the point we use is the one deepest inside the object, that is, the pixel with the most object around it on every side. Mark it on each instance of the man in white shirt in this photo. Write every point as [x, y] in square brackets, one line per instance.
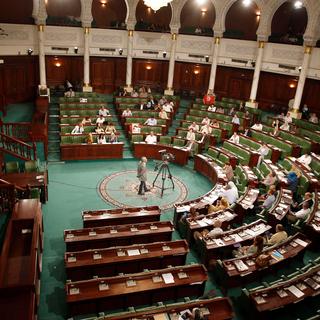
[235, 138]
[287, 118]
[212, 108]
[127, 113]
[313, 118]
[151, 122]
[163, 115]
[205, 121]
[216, 231]
[78, 129]
[258, 126]
[235, 120]
[263, 151]
[305, 160]
[100, 119]
[206, 129]
[191, 135]
[104, 112]
[301, 214]
[70, 93]
[151, 138]
[194, 127]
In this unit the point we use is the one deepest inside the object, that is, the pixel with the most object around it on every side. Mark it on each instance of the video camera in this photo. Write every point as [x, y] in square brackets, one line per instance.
[165, 157]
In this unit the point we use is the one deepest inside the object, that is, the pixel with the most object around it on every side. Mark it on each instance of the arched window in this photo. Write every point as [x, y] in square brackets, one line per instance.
[16, 11]
[197, 17]
[148, 20]
[242, 21]
[289, 24]
[64, 13]
[109, 14]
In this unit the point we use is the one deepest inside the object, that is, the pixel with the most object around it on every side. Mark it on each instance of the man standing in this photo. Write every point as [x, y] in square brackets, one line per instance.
[142, 175]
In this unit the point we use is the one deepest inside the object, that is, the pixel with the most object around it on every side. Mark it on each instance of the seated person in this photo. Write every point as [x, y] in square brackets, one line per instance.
[127, 113]
[196, 314]
[275, 125]
[149, 105]
[302, 214]
[190, 146]
[191, 135]
[293, 181]
[101, 139]
[86, 120]
[151, 121]
[167, 107]
[205, 121]
[162, 101]
[270, 179]
[215, 124]
[163, 115]
[70, 93]
[285, 126]
[235, 120]
[305, 160]
[268, 199]
[89, 139]
[313, 118]
[110, 128]
[192, 215]
[228, 170]
[230, 193]
[298, 206]
[151, 138]
[206, 129]
[113, 137]
[158, 108]
[194, 127]
[221, 204]
[104, 112]
[255, 249]
[214, 233]
[235, 138]
[212, 108]
[100, 119]
[134, 94]
[257, 126]
[288, 118]
[143, 92]
[263, 151]
[78, 129]
[99, 128]
[231, 112]
[278, 237]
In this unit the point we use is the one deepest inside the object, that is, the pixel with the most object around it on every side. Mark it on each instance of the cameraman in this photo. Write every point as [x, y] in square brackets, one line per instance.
[142, 175]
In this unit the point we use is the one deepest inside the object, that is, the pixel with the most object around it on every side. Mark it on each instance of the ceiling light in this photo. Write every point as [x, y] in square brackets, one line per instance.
[298, 4]
[201, 2]
[156, 4]
[148, 67]
[246, 3]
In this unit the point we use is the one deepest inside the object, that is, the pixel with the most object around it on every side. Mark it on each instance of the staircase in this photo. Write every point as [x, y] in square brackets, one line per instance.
[183, 108]
[17, 148]
[53, 131]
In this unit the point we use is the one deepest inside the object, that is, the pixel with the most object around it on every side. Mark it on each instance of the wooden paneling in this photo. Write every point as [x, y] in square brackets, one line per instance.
[311, 95]
[274, 89]
[233, 83]
[191, 15]
[243, 20]
[18, 78]
[63, 8]
[150, 73]
[16, 11]
[71, 68]
[107, 73]
[191, 77]
[105, 16]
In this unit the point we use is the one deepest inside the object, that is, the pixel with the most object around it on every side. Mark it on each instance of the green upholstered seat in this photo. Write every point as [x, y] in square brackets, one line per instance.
[12, 167]
[31, 166]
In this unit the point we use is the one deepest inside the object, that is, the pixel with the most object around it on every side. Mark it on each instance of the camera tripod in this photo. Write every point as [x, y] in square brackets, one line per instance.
[165, 172]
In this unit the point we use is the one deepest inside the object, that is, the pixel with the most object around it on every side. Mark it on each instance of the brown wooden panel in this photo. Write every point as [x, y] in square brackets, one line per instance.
[109, 14]
[62, 8]
[311, 95]
[62, 68]
[16, 11]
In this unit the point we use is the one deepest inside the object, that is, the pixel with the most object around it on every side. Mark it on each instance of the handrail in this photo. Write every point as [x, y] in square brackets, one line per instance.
[10, 184]
[20, 130]
[17, 147]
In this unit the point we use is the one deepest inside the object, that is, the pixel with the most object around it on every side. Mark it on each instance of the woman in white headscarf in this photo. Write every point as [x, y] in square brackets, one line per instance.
[230, 193]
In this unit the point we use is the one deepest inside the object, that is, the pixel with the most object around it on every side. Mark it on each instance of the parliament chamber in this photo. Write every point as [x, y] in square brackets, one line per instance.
[160, 160]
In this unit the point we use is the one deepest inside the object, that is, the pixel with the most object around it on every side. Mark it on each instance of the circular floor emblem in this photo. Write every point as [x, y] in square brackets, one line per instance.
[121, 189]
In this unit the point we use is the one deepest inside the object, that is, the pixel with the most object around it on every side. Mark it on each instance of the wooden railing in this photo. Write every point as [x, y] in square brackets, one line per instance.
[17, 147]
[18, 130]
[7, 196]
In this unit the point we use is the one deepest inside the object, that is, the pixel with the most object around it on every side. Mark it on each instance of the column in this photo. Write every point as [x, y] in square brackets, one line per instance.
[301, 82]
[214, 64]
[42, 58]
[169, 91]
[256, 75]
[86, 64]
[129, 62]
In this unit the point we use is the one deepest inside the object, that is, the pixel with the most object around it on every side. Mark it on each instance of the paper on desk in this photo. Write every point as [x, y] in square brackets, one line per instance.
[202, 223]
[133, 252]
[295, 291]
[301, 242]
[168, 278]
[183, 209]
[236, 237]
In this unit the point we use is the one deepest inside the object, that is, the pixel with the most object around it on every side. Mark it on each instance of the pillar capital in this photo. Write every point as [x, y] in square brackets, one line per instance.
[86, 30]
[308, 49]
[130, 33]
[217, 40]
[41, 27]
[174, 36]
[261, 44]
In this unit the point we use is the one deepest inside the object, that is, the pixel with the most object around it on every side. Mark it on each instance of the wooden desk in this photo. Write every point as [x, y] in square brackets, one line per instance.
[208, 168]
[32, 179]
[223, 245]
[272, 300]
[312, 225]
[109, 236]
[218, 308]
[125, 259]
[134, 289]
[21, 262]
[152, 151]
[113, 217]
[234, 275]
[86, 151]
